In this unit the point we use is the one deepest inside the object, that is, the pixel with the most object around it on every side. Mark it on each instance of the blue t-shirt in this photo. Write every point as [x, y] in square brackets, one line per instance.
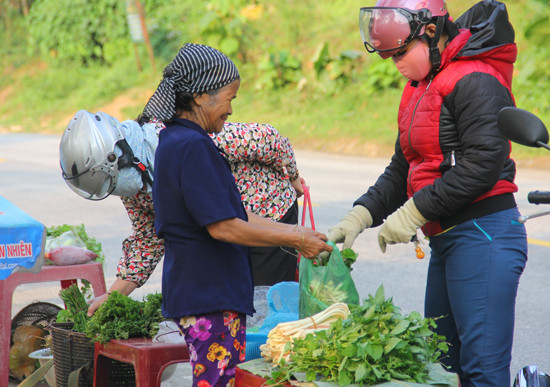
[194, 187]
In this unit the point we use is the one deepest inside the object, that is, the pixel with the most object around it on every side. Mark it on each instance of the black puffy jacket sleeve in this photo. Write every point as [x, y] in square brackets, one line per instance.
[390, 190]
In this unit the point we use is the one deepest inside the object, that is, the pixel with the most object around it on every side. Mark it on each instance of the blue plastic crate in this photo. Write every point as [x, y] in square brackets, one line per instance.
[253, 342]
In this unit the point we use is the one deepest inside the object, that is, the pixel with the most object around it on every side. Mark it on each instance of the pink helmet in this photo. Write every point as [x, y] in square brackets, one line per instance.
[436, 7]
[392, 24]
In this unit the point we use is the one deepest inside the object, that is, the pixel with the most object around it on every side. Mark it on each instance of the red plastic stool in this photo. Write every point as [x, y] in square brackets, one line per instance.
[244, 378]
[149, 359]
[92, 272]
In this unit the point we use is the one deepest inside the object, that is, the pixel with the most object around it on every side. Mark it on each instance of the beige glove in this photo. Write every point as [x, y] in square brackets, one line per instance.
[351, 225]
[401, 226]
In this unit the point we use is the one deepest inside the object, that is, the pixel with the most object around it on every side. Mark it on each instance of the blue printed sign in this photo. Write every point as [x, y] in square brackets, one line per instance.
[22, 240]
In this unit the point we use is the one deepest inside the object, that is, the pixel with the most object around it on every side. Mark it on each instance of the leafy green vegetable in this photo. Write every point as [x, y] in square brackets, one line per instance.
[348, 256]
[374, 345]
[152, 310]
[77, 308]
[121, 317]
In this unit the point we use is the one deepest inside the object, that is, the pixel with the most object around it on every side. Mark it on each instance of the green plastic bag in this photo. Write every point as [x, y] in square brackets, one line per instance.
[321, 286]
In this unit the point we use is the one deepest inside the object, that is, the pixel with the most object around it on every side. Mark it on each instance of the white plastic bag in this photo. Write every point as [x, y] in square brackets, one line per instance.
[68, 238]
[260, 304]
[169, 332]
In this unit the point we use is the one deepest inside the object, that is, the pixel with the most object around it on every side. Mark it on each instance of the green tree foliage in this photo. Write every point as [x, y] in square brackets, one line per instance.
[534, 62]
[337, 68]
[80, 30]
[278, 70]
[224, 25]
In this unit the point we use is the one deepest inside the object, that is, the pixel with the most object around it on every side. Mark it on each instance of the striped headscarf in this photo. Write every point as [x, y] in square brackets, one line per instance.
[196, 69]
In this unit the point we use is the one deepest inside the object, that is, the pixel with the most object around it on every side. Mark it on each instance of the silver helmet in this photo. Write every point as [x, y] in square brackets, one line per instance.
[87, 154]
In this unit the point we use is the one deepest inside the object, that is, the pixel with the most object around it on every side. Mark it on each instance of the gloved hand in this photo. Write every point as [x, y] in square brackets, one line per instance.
[351, 225]
[401, 226]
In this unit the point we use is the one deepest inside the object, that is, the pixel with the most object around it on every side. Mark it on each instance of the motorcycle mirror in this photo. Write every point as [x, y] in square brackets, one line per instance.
[523, 127]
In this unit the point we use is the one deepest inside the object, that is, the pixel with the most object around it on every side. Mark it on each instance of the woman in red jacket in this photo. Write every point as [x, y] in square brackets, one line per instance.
[451, 174]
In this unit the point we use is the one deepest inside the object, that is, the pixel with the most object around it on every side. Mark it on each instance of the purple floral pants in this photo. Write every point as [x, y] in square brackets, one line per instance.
[217, 343]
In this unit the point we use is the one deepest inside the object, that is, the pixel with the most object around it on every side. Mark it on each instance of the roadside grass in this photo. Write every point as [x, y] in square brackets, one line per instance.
[40, 95]
[349, 122]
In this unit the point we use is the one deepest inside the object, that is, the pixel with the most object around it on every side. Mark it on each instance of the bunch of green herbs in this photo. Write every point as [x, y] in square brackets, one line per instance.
[375, 344]
[121, 317]
[76, 308]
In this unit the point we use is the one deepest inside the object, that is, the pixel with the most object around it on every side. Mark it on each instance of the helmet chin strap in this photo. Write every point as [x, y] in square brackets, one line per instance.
[435, 55]
[128, 159]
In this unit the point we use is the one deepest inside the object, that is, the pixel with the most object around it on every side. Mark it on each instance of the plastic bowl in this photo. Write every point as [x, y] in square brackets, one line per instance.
[43, 355]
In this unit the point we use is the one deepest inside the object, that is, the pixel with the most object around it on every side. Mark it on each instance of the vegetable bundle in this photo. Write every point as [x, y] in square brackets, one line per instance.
[279, 339]
[121, 317]
[77, 308]
[375, 344]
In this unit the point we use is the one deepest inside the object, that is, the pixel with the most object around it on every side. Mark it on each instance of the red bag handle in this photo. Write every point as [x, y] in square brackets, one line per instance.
[307, 206]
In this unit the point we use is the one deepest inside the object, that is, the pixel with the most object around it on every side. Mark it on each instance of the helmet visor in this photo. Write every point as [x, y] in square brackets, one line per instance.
[93, 184]
[388, 30]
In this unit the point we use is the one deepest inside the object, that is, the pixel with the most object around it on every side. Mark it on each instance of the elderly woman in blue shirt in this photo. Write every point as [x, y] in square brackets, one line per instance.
[207, 278]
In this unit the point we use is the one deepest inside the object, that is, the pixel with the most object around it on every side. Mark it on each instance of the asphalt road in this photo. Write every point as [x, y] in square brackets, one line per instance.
[31, 179]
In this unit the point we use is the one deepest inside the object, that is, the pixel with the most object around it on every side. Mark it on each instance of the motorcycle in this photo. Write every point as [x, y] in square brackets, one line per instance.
[527, 129]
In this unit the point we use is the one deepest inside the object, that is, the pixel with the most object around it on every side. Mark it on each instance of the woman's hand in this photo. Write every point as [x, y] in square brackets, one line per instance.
[259, 231]
[312, 243]
[95, 303]
[298, 185]
[121, 286]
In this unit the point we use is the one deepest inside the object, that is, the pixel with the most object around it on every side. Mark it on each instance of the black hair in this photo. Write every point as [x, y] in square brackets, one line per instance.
[185, 101]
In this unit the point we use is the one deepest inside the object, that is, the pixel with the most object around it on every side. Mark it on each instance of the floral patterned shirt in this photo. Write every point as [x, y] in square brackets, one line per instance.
[263, 164]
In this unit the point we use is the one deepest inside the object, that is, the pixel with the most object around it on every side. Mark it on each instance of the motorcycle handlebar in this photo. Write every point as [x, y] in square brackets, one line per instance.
[539, 197]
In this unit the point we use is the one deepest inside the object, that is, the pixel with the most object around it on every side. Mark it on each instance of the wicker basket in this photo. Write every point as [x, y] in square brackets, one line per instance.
[72, 350]
[38, 313]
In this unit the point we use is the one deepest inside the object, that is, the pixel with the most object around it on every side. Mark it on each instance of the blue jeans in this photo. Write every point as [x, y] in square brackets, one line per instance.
[472, 284]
